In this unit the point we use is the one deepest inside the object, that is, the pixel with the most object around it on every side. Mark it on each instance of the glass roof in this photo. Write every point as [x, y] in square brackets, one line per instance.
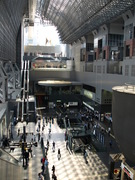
[75, 18]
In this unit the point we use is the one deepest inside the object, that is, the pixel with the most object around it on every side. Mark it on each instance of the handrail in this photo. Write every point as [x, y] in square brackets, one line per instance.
[8, 157]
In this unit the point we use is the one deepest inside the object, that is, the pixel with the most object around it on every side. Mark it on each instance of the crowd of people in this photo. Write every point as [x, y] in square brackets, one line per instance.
[46, 146]
[45, 125]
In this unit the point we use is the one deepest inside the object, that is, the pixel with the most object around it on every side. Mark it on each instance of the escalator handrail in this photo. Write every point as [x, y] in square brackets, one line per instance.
[15, 161]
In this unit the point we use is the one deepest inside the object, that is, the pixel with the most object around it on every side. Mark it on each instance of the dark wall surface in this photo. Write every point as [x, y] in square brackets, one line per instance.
[123, 115]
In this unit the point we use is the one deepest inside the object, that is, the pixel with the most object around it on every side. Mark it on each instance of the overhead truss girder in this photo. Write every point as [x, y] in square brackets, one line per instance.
[75, 18]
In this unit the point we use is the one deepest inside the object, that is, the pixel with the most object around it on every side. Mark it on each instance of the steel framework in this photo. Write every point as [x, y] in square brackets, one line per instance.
[76, 18]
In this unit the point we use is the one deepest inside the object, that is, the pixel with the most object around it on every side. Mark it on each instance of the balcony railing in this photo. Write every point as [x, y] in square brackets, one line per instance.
[52, 65]
[113, 67]
[110, 67]
[89, 66]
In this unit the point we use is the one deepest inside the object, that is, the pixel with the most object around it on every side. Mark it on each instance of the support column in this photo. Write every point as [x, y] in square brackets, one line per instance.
[24, 143]
[111, 169]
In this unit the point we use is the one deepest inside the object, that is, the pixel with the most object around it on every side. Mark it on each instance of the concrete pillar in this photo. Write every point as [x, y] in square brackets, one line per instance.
[111, 169]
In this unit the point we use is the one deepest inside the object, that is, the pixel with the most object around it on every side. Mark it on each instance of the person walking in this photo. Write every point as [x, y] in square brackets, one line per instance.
[26, 156]
[53, 169]
[46, 149]
[42, 128]
[18, 131]
[38, 136]
[46, 165]
[53, 148]
[40, 176]
[43, 168]
[59, 154]
[48, 143]
[42, 139]
[85, 156]
[67, 144]
[50, 124]
[43, 160]
[49, 134]
[30, 151]
[34, 138]
[54, 177]
[39, 124]
[43, 121]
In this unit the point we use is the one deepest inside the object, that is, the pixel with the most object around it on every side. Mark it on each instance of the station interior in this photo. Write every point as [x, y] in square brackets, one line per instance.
[67, 89]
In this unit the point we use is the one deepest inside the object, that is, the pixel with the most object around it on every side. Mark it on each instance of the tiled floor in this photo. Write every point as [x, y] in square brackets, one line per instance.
[71, 166]
[34, 166]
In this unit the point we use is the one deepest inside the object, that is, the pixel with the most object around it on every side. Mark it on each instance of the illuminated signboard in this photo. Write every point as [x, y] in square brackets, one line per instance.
[126, 170]
[89, 94]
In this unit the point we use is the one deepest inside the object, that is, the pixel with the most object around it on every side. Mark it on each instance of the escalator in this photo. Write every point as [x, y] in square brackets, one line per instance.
[26, 103]
[10, 164]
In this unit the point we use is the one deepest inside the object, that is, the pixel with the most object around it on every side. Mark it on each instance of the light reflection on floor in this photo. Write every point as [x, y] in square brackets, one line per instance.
[73, 166]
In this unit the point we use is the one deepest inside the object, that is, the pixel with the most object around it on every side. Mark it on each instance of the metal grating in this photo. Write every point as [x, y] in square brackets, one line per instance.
[11, 13]
[75, 18]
